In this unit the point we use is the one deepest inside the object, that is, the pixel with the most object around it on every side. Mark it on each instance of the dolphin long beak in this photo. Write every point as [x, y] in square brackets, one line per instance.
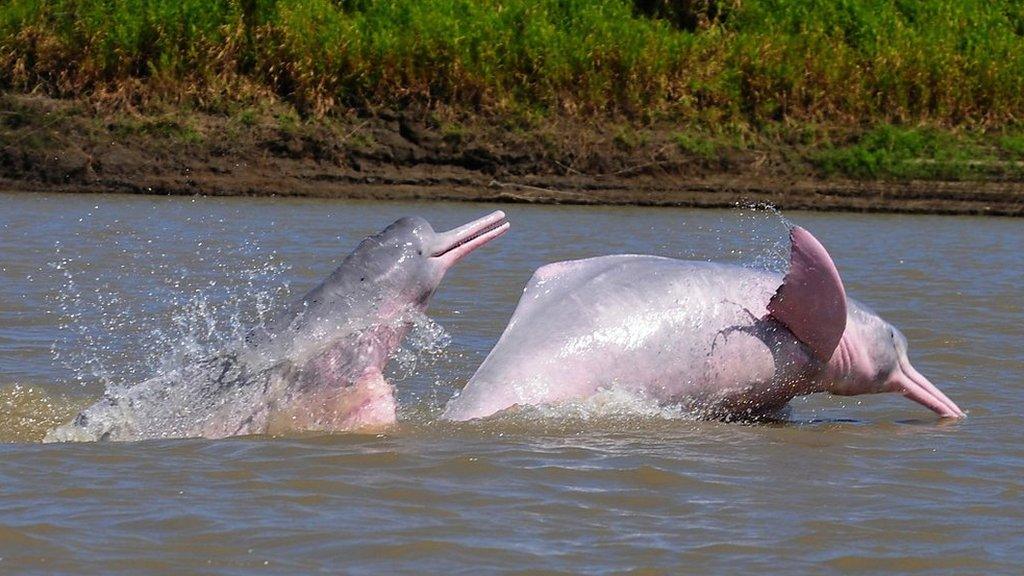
[916, 387]
[454, 245]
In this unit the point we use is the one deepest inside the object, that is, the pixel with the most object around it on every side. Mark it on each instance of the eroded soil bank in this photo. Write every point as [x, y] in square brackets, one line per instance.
[61, 145]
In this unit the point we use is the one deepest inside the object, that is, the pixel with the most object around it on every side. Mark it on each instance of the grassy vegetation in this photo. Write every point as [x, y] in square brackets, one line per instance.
[839, 61]
[162, 127]
[893, 152]
[859, 88]
[697, 145]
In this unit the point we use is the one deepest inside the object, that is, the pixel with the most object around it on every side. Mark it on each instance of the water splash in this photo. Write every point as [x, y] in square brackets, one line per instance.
[422, 348]
[169, 323]
[753, 235]
[423, 369]
[610, 404]
[27, 413]
[763, 234]
[148, 315]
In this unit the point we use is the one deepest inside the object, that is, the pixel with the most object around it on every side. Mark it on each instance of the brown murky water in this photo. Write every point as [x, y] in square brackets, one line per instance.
[106, 290]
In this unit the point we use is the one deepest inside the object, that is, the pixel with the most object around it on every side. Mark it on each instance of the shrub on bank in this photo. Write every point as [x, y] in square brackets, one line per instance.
[697, 61]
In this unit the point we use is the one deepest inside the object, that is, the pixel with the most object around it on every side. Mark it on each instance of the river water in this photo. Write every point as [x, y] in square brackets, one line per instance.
[106, 290]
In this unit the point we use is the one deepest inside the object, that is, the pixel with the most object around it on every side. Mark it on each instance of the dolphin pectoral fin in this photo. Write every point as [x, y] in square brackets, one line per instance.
[811, 302]
[365, 405]
[370, 404]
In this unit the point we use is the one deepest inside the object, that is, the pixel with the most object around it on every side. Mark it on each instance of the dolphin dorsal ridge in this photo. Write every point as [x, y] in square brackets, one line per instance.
[811, 302]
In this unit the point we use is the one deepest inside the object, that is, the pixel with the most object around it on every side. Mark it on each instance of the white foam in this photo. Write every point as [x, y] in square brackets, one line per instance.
[611, 403]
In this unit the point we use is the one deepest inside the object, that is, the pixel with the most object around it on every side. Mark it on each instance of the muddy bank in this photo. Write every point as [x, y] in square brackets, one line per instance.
[59, 145]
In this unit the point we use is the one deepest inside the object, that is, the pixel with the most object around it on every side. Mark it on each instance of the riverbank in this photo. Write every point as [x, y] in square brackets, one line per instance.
[861, 105]
[65, 145]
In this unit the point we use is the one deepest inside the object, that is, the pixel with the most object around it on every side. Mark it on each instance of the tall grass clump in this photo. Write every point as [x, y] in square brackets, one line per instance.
[705, 61]
[907, 153]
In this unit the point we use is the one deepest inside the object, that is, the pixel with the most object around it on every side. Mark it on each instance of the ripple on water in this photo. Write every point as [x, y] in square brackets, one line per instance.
[607, 486]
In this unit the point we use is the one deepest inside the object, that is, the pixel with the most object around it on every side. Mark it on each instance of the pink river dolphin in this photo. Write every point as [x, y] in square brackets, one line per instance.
[317, 365]
[727, 341]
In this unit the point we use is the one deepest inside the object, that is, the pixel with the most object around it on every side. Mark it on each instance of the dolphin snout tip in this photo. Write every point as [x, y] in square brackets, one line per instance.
[951, 412]
[455, 244]
[916, 387]
[957, 413]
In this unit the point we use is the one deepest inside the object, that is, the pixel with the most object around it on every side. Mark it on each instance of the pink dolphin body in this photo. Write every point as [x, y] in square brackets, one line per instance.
[729, 341]
[317, 365]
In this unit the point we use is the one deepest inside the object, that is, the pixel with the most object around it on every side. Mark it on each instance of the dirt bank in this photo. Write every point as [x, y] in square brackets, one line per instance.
[64, 146]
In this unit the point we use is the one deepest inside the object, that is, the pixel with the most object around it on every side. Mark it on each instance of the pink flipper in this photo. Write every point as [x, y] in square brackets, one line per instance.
[366, 405]
[811, 302]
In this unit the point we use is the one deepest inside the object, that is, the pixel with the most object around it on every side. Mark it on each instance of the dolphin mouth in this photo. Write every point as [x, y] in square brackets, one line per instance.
[456, 244]
[916, 387]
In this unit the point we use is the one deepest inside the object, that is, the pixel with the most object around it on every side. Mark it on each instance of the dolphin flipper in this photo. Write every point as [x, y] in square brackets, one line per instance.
[364, 404]
[811, 302]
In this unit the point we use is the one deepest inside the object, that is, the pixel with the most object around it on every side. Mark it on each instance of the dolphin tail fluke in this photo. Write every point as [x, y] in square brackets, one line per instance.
[811, 302]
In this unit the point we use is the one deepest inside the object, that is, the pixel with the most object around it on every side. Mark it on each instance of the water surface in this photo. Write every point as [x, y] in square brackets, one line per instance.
[105, 290]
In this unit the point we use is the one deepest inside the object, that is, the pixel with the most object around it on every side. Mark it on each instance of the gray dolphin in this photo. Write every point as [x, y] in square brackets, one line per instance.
[317, 365]
[731, 342]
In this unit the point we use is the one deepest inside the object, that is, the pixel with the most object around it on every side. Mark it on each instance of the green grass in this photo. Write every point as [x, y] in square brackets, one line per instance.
[1012, 144]
[247, 117]
[943, 62]
[696, 144]
[453, 133]
[165, 128]
[629, 138]
[893, 152]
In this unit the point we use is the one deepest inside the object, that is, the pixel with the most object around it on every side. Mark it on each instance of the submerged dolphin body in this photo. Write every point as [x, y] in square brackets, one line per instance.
[317, 365]
[728, 341]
